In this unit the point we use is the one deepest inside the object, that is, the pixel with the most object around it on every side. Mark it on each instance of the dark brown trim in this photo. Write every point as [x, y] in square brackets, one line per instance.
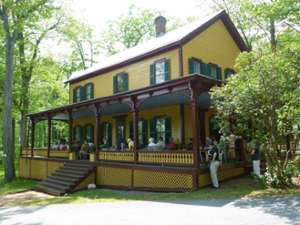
[182, 123]
[180, 61]
[49, 135]
[222, 15]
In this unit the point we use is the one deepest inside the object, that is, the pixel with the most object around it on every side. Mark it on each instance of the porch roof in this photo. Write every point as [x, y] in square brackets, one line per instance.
[176, 91]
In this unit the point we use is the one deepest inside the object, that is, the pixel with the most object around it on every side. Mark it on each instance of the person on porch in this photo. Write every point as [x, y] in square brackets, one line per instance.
[130, 144]
[62, 144]
[152, 146]
[172, 145]
[214, 159]
[83, 154]
[161, 144]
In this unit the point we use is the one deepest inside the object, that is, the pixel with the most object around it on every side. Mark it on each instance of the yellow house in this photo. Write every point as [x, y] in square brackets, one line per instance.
[147, 111]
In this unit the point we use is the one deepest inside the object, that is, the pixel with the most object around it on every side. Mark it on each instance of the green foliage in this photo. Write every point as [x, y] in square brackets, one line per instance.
[133, 28]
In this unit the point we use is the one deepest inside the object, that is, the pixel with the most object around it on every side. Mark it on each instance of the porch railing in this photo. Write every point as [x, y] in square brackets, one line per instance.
[43, 153]
[126, 156]
[166, 157]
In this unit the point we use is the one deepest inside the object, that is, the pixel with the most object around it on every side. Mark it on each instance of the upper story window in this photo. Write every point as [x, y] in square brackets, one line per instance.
[210, 69]
[77, 94]
[228, 72]
[160, 71]
[120, 82]
[214, 71]
[89, 91]
[82, 93]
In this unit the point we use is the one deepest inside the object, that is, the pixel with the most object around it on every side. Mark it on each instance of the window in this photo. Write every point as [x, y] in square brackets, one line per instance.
[76, 94]
[197, 66]
[161, 127]
[228, 72]
[89, 132]
[214, 71]
[160, 71]
[89, 91]
[78, 134]
[106, 131]
[120, 82]
[142, 132]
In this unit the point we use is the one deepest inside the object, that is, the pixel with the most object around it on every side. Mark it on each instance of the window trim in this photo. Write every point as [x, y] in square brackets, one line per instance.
[75, 89]
[116, 89]
[161, 60]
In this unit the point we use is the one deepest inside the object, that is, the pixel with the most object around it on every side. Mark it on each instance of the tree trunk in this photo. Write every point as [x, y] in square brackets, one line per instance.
[8, 145]
[272, 35]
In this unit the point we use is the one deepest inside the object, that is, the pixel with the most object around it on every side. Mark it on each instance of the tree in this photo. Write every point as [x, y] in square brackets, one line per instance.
[14, 14]
[29, 40]
[262, 100]
[85, 47]
[133, 28]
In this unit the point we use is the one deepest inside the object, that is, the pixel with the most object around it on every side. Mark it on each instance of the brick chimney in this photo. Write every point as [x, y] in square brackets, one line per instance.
[160, 26]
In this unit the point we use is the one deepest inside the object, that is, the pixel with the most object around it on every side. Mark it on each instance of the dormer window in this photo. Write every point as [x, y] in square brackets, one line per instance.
[160, 71]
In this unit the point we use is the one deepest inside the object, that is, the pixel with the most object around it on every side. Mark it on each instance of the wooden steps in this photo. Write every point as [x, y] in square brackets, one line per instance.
[66, 178]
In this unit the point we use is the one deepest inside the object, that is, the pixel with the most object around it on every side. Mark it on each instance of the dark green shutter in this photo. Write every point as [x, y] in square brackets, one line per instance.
[208, 69]
[115, 84]
[126, 81]
[74, 95]
[131, 130]
[153, 129]
[92, 91]
[167, 69]
[203, 68]
[191, 65]
[219, 73]
[81, 134]
[145, 133]
[90, 128]
[152, 74]
[82, 93]
[168, 127]
[109, 131]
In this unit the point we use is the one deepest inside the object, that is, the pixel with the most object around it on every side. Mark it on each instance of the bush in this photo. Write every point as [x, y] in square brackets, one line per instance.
[272, 178]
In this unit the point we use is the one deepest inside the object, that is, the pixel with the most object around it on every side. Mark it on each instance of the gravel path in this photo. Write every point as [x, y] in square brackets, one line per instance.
[268, 211]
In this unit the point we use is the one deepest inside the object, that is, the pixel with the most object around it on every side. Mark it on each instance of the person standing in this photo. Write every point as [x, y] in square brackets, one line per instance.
[255, 157]
[214, 165]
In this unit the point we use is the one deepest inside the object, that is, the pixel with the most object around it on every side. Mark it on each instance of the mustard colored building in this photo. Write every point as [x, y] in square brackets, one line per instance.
[157, 90]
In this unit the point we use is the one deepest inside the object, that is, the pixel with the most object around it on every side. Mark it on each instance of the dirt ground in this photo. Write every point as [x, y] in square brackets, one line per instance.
[22, 197]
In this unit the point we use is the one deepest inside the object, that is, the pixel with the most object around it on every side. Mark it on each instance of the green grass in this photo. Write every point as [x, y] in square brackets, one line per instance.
[243, 187]
[17, 185]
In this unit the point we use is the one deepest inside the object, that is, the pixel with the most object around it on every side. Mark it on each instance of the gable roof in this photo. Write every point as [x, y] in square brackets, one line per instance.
[169, 41]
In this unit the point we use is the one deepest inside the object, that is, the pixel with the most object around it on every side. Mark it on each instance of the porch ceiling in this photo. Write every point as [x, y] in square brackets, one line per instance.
[172, 92]
[169, 99]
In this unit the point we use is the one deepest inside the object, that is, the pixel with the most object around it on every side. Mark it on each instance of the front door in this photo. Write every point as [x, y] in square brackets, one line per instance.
[120, 133]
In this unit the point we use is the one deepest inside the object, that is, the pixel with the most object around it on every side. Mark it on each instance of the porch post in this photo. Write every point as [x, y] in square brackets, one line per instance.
[135, 119]
[182, 124]
[195, 133]
[32, 134]
[98, 130]
[49, 134]
[70, 128]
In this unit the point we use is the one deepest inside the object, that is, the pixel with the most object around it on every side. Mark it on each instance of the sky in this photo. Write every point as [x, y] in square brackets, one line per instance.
[97, 12]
